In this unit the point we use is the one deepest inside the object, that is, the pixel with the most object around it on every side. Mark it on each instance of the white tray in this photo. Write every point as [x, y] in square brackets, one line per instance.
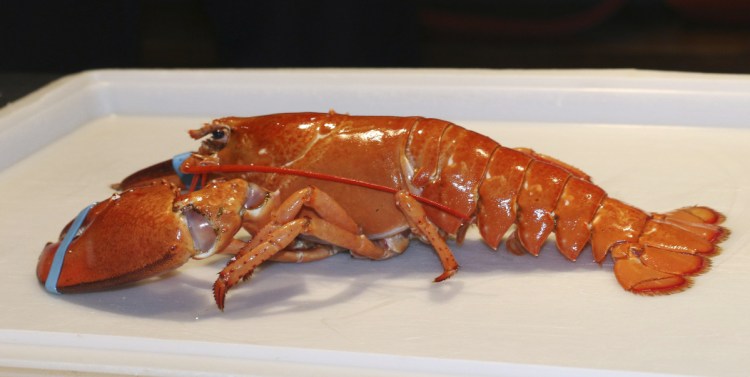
[658, 140]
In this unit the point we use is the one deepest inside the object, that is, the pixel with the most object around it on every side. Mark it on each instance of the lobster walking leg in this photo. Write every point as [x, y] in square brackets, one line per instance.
[310, 197]
[421, 225]
[290, 221]
[248, 259]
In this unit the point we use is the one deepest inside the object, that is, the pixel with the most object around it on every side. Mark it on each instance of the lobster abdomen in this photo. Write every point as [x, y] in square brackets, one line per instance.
[501, 187]
[653, 253]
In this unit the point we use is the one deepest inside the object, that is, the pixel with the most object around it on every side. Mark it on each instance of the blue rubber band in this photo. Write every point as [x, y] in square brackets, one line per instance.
[177, 162]
[57, 261]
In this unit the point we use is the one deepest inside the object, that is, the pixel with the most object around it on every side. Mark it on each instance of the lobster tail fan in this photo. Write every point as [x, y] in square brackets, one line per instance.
[659, 253]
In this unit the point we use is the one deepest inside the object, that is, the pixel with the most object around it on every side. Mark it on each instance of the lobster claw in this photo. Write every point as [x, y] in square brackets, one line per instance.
[168, 170]
[216, 136]
[144, 232]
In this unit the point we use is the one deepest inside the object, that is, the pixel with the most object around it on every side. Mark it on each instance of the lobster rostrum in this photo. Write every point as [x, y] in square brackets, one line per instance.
[309, 185]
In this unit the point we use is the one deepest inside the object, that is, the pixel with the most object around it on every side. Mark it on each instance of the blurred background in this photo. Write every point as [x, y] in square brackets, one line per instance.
[41, 40]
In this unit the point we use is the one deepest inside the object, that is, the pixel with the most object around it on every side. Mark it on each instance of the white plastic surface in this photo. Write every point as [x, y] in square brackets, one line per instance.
[657, 140]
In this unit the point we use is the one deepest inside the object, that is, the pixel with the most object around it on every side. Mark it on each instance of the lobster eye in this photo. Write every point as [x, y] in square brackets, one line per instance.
[217, 140]
[218, 134]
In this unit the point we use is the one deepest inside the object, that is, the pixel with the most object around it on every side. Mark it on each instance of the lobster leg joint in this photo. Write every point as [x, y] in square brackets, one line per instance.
[421, 225]
[247, 260]
[320, 202]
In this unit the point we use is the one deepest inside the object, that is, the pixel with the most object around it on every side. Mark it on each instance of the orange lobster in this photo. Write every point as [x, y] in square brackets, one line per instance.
[308, 185]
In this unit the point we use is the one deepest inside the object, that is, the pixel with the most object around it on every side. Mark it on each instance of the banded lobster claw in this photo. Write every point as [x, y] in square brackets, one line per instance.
[168, 170]
[144, 232]
[172, 170]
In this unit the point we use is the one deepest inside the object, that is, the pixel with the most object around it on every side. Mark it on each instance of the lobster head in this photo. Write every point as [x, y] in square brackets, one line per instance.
[270, 140]
[144, 232]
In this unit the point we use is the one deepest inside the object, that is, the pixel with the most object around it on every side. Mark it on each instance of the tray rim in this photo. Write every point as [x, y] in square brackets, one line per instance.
[200, 358]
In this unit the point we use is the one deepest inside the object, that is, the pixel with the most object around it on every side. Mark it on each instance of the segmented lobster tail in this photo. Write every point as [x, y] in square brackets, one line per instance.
[503, 187]
[653, 253]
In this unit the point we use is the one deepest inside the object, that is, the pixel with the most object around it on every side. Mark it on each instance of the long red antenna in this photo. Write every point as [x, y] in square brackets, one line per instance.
[309, 174]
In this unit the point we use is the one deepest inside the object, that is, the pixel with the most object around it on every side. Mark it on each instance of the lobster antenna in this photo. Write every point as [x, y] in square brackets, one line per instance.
[204, 170]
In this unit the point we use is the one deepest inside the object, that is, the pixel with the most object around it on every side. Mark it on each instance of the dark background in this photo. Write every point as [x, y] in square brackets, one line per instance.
[43, 39]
